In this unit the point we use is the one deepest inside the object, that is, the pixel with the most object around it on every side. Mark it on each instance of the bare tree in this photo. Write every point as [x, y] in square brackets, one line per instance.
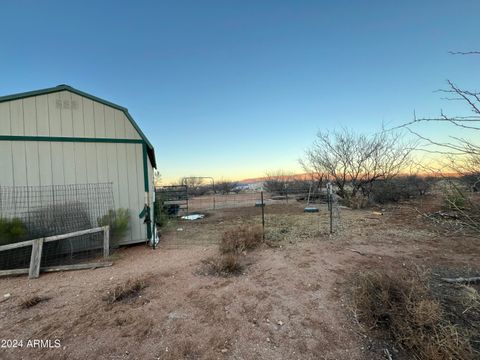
[277, 182]
[225, 186]
[355, 161]
[462, 153]
[191, 181]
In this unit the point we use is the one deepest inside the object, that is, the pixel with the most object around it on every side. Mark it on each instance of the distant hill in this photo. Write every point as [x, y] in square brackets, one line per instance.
[308, 176]
[304, 176]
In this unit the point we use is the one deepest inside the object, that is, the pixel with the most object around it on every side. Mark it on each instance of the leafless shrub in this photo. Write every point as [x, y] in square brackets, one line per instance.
[278, 182]
[241, 238]
[355, 161]
[464, 205]
[32, 301]
[225, 187]
[402, 307]
[399, 188]
[462, 153]
[129, 290]
[223, 265]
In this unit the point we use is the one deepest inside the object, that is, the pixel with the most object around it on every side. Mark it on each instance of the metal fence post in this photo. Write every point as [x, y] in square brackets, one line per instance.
[263, 216]
[330, 205]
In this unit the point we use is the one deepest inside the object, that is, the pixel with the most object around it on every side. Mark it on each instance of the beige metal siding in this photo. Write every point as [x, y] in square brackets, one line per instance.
[5, 147]
[58, 163]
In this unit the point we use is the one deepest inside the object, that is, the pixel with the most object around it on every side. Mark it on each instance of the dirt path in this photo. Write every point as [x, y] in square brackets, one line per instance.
[287, 305]
[284, 307]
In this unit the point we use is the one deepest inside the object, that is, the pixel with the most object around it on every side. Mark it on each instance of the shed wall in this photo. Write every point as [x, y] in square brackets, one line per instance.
[66, 114]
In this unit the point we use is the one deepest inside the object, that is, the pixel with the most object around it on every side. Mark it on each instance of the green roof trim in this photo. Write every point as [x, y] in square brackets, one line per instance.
[150, 149]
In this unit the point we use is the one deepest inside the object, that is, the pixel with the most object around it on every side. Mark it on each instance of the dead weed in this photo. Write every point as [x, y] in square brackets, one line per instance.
[402, 307]
[241, 238]
[127, 291]
[32, 301]
[223, 265]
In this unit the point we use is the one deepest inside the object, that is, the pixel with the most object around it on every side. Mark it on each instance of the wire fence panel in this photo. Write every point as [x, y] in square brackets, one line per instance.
[33, 212]
[292, 214]
[72, 250]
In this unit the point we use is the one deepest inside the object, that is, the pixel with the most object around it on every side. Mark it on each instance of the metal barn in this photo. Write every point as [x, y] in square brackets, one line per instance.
[62, 136]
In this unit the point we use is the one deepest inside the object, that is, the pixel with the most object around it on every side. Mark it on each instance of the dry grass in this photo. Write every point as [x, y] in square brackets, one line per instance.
[127, 291]
[32, 301]
[241, 238]
[223, 265]
[470, 298]
[402, 307]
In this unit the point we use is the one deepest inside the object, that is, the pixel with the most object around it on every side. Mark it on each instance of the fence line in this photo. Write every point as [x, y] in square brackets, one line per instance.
[37, 249]
[292, 214]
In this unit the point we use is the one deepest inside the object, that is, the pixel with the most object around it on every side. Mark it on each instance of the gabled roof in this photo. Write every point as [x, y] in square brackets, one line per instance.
[63, 87]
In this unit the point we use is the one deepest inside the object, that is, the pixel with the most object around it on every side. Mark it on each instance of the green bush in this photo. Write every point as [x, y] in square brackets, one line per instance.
[118, 220]
[160, 213]
[12, 230]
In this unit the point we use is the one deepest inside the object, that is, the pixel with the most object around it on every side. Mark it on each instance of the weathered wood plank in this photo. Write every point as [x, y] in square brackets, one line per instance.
[73, 234]
[106, 241]
[76, 267]
[13, 272]
[16, 245]
[57, 268]
[51, 238]
[35, 259]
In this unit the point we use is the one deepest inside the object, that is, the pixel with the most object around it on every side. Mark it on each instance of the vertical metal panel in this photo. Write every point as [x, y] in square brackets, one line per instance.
[133, 185]
[30, 116]
[16, 117]
[91, 161]
[119, 124]
[5, 128]
[66, 113]
[41, 106]
[88, 117]
[113, 171]
[140, 190]
[32, 163]
[130, 132]
[45, 163]
[6, 165]
[19, 163]
[54, 122]
[109, 122]
[123, 182]
[58, 175]
[77, 116]
[69, 163]
[99, 118]
[80, 163]
[102, 162]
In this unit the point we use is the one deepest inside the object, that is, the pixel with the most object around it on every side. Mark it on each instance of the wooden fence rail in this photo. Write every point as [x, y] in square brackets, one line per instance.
[37, 247]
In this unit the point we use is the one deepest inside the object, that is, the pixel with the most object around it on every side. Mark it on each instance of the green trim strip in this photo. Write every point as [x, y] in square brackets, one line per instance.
[145, 169]
[69, 139]
[64, 87]
[146, 185]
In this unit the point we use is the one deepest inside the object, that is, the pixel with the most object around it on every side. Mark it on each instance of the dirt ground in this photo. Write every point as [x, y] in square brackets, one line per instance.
[290, 303]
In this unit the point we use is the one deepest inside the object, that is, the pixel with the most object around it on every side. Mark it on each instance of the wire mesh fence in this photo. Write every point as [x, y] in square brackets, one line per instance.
[293, 214]
[33, 212]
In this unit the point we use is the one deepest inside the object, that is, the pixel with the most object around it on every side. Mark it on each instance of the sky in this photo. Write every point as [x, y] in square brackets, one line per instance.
[236, 89]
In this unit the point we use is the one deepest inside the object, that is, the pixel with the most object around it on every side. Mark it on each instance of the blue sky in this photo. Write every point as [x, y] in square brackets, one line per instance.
[237, 88]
